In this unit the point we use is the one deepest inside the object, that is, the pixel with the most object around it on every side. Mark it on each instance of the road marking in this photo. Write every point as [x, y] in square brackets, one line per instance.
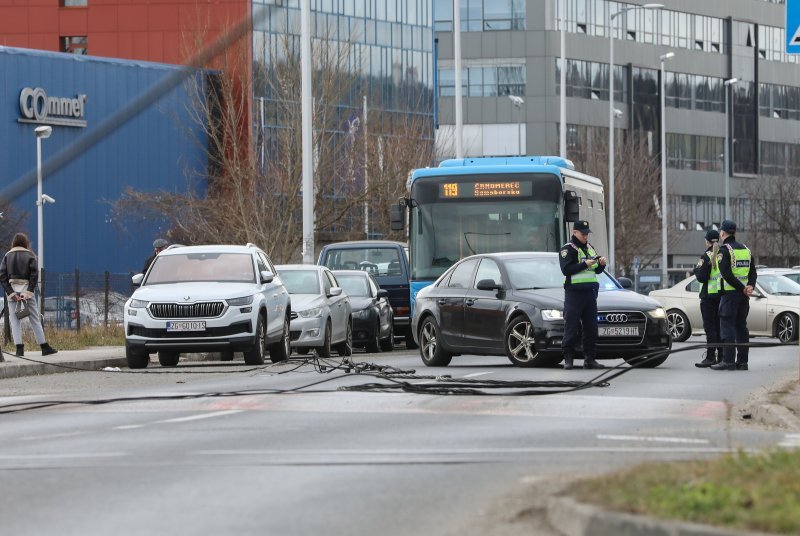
[474, 374]
[128, 427]
[658, 439]
[73, 455]
[49, 436]
[201, 416]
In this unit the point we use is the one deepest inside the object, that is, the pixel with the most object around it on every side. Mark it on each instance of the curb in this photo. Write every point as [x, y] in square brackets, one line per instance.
[573, 518]
[19, 370]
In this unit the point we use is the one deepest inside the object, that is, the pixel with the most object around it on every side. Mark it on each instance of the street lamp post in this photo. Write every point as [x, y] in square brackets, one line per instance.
[726, 165]
[611, 255]
[562, 108]
[42, 132]
[518, 102]
[664, 273]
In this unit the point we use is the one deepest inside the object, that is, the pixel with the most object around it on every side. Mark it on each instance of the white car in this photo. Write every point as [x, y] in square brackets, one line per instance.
[321, 312]
[774, 308]
[208, 299]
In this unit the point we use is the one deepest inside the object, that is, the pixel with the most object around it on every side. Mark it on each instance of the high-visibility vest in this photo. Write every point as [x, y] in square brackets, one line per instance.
[587, 275]
[740, 265]
[715, 278]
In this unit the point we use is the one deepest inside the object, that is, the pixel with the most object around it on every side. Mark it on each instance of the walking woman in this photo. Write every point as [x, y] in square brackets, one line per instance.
[19, 275]
[707, 272]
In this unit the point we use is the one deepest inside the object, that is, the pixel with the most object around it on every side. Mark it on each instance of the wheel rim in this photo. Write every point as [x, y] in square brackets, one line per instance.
[287, 344]
[428, 339]
[262, 340]
[521, 343]
[349, 340]
[786, 328]
[676, 325]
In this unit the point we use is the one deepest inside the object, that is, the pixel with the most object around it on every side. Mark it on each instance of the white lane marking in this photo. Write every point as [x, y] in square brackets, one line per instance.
[658, 439]
[474, 374]
[450, 452]
[201, 416]
[74, 455]
[49, 436]
[128, 427]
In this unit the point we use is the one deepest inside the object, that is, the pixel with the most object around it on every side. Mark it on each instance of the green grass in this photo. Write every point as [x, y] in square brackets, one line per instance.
[759, 492]
[70, 339]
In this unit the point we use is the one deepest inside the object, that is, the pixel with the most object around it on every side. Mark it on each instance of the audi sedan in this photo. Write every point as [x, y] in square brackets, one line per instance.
[512, 304]
[372, 314]
[774, 307]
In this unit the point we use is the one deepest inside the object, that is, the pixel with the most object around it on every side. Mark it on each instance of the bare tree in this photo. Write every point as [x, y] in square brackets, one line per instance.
[637, 195]
[11, 222]
[772, 206]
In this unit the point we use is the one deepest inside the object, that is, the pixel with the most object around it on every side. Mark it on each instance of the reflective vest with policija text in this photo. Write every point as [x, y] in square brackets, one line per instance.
[715, 278]
[588, 275]
[740, 266]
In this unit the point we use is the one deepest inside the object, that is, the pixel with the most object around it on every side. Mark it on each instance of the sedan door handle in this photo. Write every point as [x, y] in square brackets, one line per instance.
[470, 301]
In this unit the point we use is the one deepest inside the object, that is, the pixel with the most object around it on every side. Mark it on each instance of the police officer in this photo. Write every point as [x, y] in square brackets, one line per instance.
[738, 273]
[707, 273]
[580, 265]
[159, 245]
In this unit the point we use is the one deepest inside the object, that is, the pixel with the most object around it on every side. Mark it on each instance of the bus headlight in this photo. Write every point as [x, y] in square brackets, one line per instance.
[552, 314]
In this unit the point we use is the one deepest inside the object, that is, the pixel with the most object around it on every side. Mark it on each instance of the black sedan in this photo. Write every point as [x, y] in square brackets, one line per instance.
[513, 304]
[372, 314]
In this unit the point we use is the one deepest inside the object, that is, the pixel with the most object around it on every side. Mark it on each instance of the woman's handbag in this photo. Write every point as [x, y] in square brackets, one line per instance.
[21, 309]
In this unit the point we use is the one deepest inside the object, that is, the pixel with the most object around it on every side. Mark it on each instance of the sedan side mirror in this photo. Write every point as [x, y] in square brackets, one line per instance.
[335, 291]
[757, 293]
[267, 276]
[489, 284]
[383, 294]
[137, 279]
[625, 282]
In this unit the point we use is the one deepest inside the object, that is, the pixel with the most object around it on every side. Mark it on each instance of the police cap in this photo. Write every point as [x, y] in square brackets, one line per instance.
[728, 226]
[582, 226]
[160, 243]
[712, 235]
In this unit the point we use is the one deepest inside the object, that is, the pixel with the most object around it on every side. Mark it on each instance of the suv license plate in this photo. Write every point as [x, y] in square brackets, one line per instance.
[631, 331]
[186, 326]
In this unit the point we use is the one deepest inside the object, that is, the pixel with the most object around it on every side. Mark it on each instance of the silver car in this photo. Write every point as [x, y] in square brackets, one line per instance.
[774, 307]
[321, 312]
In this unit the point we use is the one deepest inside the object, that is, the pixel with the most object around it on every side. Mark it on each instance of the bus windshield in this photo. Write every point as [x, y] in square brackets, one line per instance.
[457, 216]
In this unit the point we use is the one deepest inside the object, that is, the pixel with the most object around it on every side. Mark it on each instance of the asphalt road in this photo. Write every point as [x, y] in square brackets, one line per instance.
[216, 450]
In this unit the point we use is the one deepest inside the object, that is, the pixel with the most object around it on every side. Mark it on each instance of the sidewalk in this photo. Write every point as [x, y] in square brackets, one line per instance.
[34, 364]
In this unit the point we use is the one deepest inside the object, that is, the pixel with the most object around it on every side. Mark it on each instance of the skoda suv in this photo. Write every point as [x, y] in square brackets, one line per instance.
[208, 299]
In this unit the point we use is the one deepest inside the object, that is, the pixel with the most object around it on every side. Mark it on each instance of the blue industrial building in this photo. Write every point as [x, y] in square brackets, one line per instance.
[157, 149]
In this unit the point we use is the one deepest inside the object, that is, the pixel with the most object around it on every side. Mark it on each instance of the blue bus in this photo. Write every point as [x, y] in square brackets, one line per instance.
[494, 204]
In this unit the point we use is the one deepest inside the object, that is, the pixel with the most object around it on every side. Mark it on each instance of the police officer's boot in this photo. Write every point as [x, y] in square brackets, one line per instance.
[567, 362]
[709, 359]
[592, 363]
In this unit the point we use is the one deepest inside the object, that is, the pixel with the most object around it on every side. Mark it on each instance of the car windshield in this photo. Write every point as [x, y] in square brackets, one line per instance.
[793, 277]
[545, 272]
[779, 285]
[300, 281]
[208, 266]
[377, 261]
[354, 285]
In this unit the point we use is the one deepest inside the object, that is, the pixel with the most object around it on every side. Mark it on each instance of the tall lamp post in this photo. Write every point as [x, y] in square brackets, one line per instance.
[42, 132]
[518, 102]
[611, 217]
[726, 166]
[664, 273]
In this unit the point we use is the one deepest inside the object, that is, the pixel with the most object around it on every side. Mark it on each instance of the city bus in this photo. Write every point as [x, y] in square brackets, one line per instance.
[494, 204]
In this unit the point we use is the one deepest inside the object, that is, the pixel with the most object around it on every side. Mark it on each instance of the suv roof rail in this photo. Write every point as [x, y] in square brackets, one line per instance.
[171, 246]
[250, 245]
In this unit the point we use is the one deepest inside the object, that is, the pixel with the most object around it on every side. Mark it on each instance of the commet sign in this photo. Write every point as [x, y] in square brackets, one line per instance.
[36, 107]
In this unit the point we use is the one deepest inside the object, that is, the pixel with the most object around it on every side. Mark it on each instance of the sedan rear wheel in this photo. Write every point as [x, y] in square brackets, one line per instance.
[786, 328]
[373, 345]
[430, 347]
[679, 327]
[520, 344]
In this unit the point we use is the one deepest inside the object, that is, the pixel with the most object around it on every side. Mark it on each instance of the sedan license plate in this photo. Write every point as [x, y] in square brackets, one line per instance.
[628, 331]
[186, 326]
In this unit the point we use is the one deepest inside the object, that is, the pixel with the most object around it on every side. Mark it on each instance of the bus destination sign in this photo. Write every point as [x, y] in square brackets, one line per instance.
[485, 189]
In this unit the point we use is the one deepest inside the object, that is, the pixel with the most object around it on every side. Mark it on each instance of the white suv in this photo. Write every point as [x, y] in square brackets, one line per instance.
[208, 298]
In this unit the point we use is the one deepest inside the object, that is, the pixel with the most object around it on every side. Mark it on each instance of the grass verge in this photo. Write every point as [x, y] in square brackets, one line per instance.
[70, 339]
[759, 492]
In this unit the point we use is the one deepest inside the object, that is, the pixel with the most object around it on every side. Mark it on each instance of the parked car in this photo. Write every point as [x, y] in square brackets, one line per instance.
[513, 304]
[208, 298]
[372, 314]
[321, 313]
[791, 273]
[774, 307]
[387, 262]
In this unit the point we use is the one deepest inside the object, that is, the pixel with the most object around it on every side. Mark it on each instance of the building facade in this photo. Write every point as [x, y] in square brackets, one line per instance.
[512, 47]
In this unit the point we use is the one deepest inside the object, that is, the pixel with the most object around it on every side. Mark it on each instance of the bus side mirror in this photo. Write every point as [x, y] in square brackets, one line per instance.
[572, 209]
[397, 219]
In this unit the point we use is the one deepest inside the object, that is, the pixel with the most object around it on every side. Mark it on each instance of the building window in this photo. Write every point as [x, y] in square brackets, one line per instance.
[694, 92]
[589, 80]
[480, 15]
[484, 81]
[74, 3]
[699, 153]
[74, 44]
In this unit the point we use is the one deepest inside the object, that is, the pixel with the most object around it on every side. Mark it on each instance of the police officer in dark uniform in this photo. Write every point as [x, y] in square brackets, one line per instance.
[738, 273]
[707, 273]
[580, 265]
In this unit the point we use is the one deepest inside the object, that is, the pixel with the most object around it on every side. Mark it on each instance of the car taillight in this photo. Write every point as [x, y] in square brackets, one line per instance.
[401, 310]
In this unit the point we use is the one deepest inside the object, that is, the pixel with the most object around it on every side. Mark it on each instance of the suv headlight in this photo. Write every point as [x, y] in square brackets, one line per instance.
[138, 304]
[552, 314]
[314, 312]
[244, 300]
[657, 313]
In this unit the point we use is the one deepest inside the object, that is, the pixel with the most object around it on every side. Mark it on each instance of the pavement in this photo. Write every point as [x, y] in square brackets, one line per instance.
[776, 406]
